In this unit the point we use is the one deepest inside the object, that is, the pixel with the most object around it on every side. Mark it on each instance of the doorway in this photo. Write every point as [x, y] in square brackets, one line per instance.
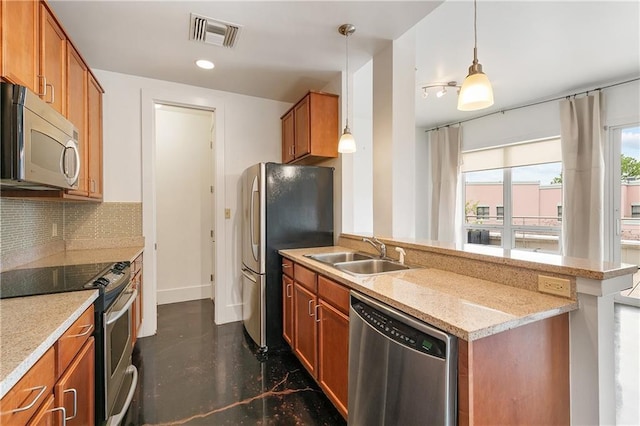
[185, 231]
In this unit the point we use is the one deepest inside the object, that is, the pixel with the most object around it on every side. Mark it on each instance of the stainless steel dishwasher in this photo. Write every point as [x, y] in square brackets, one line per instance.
[401, 370]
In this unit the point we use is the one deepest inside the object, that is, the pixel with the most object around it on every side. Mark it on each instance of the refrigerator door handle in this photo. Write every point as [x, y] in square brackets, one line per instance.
[255, 245]
[248, 275]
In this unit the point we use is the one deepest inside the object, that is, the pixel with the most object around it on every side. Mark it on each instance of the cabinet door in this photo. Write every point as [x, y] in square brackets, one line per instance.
[48, 415]
[53, 60]
[333, 354]
[287, 306]
[301, 128]
[94, 107]
[19, 47]
[304, 325]
[75, 390]
[288, 153]
[77, 111]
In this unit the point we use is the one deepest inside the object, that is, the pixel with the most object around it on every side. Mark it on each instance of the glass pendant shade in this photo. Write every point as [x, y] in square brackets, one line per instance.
[347, 143]
[476, 92]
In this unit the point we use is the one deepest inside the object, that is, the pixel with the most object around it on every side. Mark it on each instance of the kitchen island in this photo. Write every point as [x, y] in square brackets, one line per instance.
[515, 345]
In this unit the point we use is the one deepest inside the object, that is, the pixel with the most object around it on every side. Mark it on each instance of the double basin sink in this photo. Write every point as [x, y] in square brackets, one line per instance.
[359, 264]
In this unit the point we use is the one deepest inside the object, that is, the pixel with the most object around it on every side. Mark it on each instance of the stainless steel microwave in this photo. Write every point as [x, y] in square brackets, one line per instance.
[39, 146]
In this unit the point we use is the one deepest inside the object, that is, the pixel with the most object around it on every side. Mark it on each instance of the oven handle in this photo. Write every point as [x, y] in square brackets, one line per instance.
[116, 419]
[114, 316]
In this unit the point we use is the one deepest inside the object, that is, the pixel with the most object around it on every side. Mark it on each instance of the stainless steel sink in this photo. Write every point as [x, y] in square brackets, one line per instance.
[371, 266]
[333, 258]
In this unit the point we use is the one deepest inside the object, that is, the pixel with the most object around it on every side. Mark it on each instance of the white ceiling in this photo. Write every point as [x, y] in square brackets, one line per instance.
[530, 50]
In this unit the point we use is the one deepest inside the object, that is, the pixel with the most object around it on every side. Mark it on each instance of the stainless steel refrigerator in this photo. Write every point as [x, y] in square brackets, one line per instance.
[283, 206]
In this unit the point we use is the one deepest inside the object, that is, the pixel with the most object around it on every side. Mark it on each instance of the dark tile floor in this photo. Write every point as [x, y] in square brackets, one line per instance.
[194, 372]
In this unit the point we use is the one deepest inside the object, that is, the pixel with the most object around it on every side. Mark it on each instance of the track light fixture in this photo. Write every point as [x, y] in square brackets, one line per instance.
[443, 88]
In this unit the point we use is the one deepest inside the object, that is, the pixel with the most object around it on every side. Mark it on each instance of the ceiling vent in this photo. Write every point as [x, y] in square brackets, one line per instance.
[212, 31]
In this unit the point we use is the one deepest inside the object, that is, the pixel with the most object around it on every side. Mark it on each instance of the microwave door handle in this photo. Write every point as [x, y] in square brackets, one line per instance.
[114, 316]
[76, 153]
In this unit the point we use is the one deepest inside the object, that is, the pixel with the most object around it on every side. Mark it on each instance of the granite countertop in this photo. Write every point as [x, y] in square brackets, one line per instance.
[467, 307]
[29, 326]
[78, 257]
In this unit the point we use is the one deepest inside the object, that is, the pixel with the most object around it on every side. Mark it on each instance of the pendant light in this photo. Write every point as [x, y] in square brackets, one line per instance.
[347, 143]
[476, 92]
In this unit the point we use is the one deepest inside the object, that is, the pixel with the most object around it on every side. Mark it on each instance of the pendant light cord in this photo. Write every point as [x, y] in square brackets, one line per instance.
[475, 32]
[347, 120]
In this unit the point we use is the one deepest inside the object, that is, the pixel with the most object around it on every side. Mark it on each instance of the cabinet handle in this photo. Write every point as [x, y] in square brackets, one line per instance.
[317, 313]
[286, 265]
[310, 313]
[44, 84]
[42, 389]
[287, 291]
[64, 414]
[89, 329]
[93, 185]
[53, 92]
[75, 403]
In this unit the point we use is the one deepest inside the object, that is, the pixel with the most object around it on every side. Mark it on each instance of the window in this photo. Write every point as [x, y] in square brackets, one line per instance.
[482, 212]
[524, 182]
[635, 210]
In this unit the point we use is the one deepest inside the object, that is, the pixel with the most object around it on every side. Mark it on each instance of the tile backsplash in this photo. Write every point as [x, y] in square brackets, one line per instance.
[27, 227]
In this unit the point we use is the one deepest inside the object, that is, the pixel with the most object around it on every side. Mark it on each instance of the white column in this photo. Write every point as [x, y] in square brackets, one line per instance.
[394, 139]
[592, 356]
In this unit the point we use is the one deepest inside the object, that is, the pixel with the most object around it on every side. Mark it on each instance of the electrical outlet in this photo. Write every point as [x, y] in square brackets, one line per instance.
[54, 230]
[227, 213]
[553, 285]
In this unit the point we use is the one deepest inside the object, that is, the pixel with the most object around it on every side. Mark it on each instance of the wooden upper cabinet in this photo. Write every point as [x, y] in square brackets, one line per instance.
[315, 129]
[53, 60]
[288, 153]
[19, 46]
[77, 112]
[302, 130]
[94, 106]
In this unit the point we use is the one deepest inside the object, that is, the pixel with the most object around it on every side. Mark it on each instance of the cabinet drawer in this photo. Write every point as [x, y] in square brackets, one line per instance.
[287, 267]
[334, 293]
[73, 339]
[305, 277]
[24, 399]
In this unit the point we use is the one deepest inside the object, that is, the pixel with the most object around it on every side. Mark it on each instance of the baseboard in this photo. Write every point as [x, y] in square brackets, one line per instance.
[183, 294]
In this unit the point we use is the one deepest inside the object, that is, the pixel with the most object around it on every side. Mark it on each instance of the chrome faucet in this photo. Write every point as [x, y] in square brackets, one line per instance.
[378, 245]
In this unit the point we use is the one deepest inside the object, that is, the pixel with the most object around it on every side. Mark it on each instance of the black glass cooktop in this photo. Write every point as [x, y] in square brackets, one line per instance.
[53, 279]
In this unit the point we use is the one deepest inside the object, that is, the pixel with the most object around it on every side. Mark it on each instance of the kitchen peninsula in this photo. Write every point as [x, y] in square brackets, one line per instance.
[508, 331]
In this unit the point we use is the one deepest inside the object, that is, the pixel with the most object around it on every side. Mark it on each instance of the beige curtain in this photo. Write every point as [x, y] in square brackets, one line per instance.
[445, 173]
[582, 135]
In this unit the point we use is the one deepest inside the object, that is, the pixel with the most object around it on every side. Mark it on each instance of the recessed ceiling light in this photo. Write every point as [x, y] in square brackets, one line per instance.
[204, 64]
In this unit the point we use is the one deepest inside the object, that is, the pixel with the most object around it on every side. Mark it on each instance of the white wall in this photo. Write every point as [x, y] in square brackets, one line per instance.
[252, 133]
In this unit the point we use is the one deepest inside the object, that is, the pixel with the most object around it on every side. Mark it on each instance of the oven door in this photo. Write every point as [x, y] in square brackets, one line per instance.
[118, 345]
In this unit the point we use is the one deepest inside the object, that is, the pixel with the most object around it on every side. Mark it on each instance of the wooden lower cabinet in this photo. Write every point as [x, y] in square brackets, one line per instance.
[74, 391]
[320, 324]
[48, 414]
[517, 377]
[60, 388]
[305, 338]
[287, 309]
[333, 355]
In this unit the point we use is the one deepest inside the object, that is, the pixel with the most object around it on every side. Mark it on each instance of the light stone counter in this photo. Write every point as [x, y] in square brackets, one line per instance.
[29, 326]
[78, 257]
[469, 308]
